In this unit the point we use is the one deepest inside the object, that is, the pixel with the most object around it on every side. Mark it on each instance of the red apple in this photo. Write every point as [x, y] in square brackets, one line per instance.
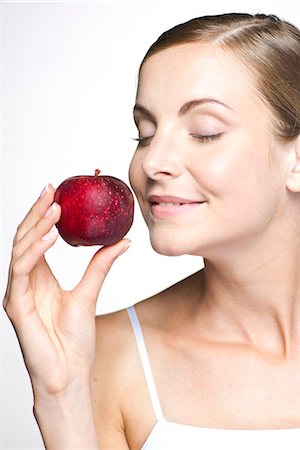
[95, 210]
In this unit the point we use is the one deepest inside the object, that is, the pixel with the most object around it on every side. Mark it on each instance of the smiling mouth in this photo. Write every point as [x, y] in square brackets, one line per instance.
[168, 209]
[172, 204]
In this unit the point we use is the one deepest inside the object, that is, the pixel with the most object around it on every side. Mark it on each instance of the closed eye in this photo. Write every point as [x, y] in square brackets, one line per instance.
[207, 137]
[143, 141]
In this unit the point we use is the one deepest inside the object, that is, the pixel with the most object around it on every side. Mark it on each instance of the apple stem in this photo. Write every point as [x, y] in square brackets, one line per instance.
[97, 171]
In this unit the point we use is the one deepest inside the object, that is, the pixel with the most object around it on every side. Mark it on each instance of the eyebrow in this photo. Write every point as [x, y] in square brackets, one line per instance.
[200, 101]
[188, 106]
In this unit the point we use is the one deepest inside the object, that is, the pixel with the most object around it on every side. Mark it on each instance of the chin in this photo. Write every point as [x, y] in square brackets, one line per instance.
[169, 247]
[177, 244]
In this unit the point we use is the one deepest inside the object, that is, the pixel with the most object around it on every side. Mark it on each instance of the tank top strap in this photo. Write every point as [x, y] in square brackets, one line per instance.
[145, 363]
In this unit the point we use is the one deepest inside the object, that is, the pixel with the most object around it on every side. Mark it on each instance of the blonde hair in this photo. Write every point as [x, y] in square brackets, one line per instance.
[268, 46]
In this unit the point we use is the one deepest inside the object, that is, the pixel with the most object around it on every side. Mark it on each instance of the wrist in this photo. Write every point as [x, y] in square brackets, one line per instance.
[61, 400]
[66, 418]
[60, 391]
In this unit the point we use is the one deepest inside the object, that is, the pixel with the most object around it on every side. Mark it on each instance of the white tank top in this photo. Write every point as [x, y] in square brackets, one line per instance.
[175, 436]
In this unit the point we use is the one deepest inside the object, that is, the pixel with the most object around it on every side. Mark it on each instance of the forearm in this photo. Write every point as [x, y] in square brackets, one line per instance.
[66, 421]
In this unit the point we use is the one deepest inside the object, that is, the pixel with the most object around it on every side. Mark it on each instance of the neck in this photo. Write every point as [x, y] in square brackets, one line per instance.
[254, 299]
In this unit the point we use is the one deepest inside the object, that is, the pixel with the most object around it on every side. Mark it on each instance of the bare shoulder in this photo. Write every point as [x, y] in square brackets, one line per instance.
[111, 373]
[113, 346]
[118, 382]
[115, 343]
[114, 331]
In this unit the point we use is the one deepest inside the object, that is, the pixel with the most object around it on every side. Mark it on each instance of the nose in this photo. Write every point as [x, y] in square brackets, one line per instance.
[162, 159]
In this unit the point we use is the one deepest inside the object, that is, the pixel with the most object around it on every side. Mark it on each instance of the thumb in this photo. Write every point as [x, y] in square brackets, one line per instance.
[89, 287]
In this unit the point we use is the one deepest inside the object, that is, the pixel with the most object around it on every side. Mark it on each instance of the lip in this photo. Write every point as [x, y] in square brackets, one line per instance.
[171, 199]
[168, 206]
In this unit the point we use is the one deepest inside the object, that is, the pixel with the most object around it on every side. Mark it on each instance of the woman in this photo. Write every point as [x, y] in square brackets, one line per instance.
[217, 174]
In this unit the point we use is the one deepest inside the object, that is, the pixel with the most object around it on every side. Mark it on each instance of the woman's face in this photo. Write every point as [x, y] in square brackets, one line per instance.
[204, 171]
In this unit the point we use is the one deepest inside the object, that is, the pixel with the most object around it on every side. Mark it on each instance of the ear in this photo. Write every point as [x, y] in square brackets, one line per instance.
[293, 178]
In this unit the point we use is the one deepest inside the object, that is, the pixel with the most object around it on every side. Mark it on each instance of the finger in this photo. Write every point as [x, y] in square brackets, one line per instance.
[23, 266]
[89, 287]
[37, 231]
[37, 210]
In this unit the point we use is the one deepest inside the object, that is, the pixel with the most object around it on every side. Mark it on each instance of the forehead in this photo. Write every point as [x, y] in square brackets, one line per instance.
[181, 73]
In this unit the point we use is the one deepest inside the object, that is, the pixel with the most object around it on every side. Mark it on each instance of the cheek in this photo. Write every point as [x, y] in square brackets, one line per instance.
[239, 183]
[233, 168]
[132, 173]
[220, 172]
[136, 178]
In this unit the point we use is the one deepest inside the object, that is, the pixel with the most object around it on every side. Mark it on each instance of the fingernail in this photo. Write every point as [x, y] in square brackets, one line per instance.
[125, 248]
[53, 232]
[46, 189]
[50, 210]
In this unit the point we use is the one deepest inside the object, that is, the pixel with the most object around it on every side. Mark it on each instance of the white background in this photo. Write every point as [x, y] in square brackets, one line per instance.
[68, 80]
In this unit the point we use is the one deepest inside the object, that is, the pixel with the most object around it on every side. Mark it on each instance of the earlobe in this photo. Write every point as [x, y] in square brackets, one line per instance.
[293, 180]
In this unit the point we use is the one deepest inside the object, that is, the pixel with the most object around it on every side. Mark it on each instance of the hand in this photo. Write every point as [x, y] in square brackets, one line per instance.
[55, 328]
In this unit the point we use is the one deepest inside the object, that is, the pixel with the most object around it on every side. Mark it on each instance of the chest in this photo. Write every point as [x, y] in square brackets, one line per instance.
[213, 388]
[222, 387]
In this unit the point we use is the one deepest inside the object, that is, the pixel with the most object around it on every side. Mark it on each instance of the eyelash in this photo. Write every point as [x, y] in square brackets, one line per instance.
[142, 141]
[207, 138]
